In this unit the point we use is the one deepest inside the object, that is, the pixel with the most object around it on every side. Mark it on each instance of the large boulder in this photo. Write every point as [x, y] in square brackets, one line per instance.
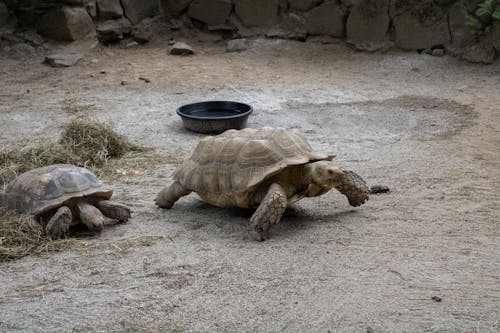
[495, 35]
[109, 9]
[292, 26]
[211, 12]
[303, 5]
[480, 52]
[257, 13]
[368, 24]
[138, 10]
[66, 24]
[414, 32]
[327, 19]
[4, 13]
[113, 30]
[173, 8]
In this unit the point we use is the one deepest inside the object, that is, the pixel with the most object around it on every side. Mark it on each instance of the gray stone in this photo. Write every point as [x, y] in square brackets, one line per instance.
[257, 13]
[427, 51]
[180, 48]
[4, 14]
[495, 36]
[137, 10]
[66, 24]
[460, 33]
[413, 34]
[142, 35]
[237, 45]
[91, 8]
[63, 59]
[11, 38]
[292, 26]
[368, 24]
[303, 5]
[481, 52]
[113, 30]
[33, 38]
[327, 19]
[211, 12]
[438, 52]
[109, 9]
[173, 8]
[21, 51]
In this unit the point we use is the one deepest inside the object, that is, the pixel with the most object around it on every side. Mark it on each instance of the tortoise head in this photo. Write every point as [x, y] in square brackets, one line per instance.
[324, 176]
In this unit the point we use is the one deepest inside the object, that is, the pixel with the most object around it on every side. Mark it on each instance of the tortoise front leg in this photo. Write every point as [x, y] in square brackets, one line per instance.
[170, 194]
[354, 188]
[114, 210]
[269, 211]
[59, 224]
[90, 216]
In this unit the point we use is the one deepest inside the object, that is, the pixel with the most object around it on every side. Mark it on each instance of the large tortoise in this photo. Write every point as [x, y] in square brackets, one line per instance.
[62, 195]
[268, 169]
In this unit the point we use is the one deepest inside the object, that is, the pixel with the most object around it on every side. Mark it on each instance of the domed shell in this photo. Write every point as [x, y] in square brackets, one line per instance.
[41, 190]
[238, 160]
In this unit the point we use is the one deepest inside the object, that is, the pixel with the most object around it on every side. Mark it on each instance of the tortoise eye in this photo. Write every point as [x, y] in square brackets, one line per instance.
[330, 172]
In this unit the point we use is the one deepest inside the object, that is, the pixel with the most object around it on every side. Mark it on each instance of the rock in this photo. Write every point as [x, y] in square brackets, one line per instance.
[481, 52]
[66, 24]
[137, 10]
[21, 51]
[292, 26]
[375, 189]
[33, 38]
[257, 13]
[461, 35]
[11, 38]
[113, 30]
[495, 36]
[438, 52]
[303, 5]
[4, 14]
[327, 19]
[63, 59]
[142, 35]
[436, 299]
[91, 8]
[109, 9]
[237, 45]
[173, 8]
[211, 12]
[427, 51]
[414, 34]
[180, 48]
[368, 25]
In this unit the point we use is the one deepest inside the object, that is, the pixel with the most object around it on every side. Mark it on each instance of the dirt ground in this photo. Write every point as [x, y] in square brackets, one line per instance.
[427, 127]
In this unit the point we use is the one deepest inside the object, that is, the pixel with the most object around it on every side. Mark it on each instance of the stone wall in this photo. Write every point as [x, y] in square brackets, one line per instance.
[370, 25]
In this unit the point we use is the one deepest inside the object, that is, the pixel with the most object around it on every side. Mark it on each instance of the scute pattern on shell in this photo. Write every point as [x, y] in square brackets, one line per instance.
[238, 160]
[45, 188]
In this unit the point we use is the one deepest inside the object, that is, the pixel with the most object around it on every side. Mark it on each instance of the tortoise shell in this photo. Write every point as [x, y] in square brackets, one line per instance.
[40, 190]
[237, 161]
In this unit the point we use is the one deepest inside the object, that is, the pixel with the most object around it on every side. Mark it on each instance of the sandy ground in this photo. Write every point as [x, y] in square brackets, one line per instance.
[426, 127]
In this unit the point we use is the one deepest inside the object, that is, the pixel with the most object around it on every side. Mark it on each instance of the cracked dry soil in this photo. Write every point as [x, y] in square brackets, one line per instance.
[426, 127]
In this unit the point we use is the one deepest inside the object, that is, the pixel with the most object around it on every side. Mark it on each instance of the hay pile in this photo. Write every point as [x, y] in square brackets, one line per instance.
[82, 143]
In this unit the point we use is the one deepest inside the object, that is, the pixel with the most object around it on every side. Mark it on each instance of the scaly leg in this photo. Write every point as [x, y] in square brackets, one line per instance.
[269, 211]
[170, 194]
[90, 216]
[59, 224]
[114, 210]
[354, 188]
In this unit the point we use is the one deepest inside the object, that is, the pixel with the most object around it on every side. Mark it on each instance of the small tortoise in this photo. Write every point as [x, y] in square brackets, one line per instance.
[60, 196]
[268, 169]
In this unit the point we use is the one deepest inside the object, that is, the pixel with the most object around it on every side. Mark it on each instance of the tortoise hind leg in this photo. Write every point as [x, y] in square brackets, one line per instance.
[114, 210]
[354, 188]
[269, 211]
[170, 194]
[90, 216]
[59, 224]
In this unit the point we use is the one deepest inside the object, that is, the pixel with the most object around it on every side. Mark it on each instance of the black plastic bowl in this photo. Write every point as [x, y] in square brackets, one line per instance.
[214, 116]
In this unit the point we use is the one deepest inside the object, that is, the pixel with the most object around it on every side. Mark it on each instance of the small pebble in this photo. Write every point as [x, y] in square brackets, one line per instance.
[375, 189]
[438, 52]
[124, 83]
[144, 79]
[436, 299]
[369, 330]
